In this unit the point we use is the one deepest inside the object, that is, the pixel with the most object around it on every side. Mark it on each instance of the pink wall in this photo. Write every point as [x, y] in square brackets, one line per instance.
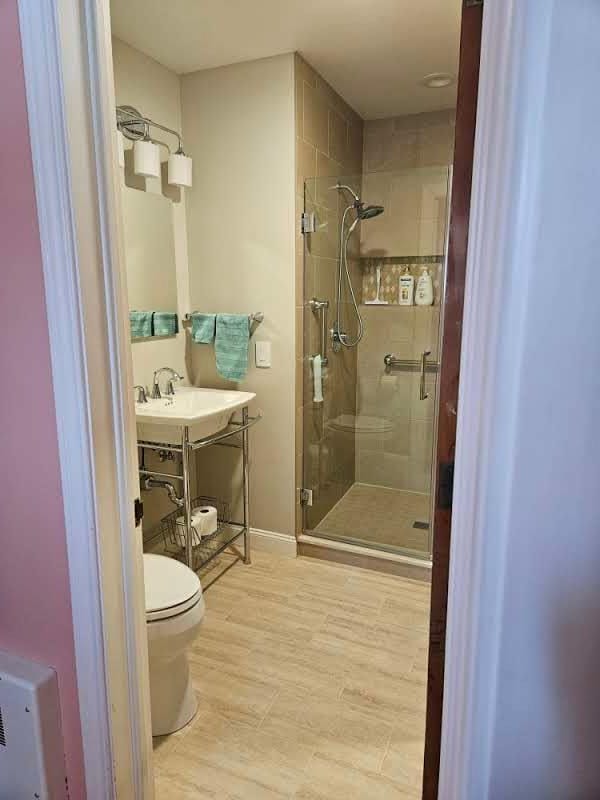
[35, 609]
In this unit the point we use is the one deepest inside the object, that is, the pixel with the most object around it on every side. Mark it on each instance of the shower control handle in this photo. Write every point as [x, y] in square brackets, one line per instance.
[422, 393]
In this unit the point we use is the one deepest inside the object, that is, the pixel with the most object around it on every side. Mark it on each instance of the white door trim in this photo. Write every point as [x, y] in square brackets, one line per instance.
[59, 252]
[70, 99]
[514, 69]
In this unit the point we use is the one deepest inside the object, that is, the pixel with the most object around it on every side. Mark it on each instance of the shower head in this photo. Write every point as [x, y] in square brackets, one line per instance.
[364, 212]
[368, 212]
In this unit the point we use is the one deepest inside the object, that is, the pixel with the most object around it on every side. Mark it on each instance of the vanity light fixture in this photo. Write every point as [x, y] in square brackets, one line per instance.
[180, 169]
[438, 80]
[146, 152]
[146, 158]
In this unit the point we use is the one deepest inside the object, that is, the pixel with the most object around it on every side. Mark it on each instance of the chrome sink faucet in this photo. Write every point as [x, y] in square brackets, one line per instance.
[170, 390]
[142, 397]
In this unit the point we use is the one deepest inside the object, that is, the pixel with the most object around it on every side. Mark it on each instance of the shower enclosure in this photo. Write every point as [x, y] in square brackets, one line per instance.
[371, 365]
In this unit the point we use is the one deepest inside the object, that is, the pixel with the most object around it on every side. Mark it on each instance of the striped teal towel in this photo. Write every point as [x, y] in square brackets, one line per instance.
[165, 323]
[140, 323]
[203, 328]
[231, 346]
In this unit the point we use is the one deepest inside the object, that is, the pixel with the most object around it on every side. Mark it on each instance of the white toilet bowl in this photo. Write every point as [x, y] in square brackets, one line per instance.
[174, 613]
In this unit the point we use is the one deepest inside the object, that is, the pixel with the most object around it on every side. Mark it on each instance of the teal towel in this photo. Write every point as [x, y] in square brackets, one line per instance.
[140, 323]
[165, 323]
[203, 328]
[231, 346]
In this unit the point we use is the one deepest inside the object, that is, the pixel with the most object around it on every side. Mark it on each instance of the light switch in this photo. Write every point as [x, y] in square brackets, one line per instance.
[263, 354]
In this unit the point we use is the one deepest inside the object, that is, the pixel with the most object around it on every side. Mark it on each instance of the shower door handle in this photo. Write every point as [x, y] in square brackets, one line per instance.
[422, 393]
[320, 307]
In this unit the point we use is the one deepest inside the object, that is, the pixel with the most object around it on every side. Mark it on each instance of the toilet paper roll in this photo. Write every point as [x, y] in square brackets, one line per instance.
[204, 520]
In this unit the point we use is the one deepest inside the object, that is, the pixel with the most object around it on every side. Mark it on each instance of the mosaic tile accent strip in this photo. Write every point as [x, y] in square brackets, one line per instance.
[391, 270]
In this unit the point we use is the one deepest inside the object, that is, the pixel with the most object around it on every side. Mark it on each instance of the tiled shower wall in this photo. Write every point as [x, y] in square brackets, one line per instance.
[405, 170]
[416, 140]
[329, 144]
[398, 455]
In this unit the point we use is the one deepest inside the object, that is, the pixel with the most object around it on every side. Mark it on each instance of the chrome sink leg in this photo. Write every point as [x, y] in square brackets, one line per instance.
[187, 497]
[246, 487]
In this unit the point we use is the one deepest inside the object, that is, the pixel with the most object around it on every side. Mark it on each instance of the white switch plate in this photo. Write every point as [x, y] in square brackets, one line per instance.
[263, 354]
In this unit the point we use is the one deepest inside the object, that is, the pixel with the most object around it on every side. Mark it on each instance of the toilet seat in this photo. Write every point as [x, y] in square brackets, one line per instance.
[171, 588]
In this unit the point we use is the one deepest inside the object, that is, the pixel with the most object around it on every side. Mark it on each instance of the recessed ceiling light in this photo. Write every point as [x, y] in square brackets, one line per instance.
[438, 80]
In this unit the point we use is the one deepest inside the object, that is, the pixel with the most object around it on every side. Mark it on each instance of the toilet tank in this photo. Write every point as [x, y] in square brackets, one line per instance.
[32, 761]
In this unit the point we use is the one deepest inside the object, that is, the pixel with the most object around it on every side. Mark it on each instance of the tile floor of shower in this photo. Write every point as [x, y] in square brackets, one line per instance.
[380, 517]
[311, 679]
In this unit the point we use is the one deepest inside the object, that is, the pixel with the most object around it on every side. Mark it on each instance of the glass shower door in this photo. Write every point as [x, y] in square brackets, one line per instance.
[370, 410]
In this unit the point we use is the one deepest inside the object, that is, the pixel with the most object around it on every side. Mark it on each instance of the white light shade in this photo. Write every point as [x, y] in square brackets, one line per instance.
[180, 170]
[121, 149]
[146, 159]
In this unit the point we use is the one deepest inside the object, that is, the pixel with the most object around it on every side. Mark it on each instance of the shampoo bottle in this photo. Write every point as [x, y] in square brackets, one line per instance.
[424, 295]
[406, 288]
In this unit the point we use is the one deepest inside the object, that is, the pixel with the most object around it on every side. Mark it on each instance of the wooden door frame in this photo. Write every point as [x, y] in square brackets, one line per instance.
[456, 268]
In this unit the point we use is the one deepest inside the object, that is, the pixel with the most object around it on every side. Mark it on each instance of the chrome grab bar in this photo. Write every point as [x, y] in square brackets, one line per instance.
[321, 307]
[391, 362]
[424, 366]
[422, 393]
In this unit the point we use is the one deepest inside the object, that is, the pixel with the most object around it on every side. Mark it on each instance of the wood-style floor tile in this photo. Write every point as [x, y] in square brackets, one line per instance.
[311, 681]
[333, 780]
[236, 696]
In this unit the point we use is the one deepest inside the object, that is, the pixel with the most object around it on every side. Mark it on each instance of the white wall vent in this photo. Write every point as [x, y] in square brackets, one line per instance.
[31, 747]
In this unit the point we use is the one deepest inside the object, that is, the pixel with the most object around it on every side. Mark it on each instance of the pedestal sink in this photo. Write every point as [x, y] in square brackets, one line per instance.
[204, 411]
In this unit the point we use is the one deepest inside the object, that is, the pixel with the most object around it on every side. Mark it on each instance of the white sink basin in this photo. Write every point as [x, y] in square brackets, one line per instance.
[204, 411]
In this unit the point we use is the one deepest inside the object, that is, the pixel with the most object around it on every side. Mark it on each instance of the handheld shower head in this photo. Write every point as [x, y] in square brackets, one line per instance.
[363, 212]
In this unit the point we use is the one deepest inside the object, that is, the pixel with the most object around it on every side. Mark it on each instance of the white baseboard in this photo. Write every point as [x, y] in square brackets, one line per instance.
[273, 542]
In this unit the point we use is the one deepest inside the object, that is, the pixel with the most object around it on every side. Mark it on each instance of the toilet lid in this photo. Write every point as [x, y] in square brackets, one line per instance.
[168, 584]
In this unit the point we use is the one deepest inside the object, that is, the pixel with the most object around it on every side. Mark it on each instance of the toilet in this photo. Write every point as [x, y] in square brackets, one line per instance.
[174, 612]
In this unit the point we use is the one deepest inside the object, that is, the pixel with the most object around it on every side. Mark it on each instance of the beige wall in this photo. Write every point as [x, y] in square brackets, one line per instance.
[329, 142]
[239, 125]
[156, 92]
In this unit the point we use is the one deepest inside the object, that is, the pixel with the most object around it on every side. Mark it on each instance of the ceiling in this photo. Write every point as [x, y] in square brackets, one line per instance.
[373, 52]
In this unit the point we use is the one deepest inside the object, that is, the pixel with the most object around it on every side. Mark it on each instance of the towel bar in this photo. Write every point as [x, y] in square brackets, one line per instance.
[257, 317]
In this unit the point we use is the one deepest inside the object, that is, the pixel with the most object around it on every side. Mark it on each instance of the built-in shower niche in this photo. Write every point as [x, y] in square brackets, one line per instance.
[368, 446]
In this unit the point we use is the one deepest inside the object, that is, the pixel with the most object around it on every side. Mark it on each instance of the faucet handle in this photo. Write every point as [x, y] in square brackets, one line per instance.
[171, 384]
[142, 396]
